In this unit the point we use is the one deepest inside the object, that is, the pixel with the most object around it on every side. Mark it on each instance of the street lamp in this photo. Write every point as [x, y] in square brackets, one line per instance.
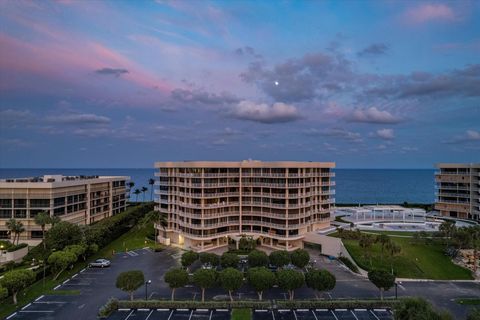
[396, 290]
[146, 288]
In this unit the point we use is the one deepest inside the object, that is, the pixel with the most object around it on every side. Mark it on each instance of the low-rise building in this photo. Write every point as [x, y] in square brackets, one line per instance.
[209, 204]
[458, 190]
[78, 199]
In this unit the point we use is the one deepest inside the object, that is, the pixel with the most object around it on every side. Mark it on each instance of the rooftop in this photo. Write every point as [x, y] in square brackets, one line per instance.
[55, 178]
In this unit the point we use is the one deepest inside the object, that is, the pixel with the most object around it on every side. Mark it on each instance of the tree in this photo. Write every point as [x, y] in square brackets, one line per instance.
[151, 182]
[77, 249]
[366, 243]
[16, 280]
[136, 193]
[15, 227]
[176, 278]
[260, 279]
[63, 234]
[144, 189]
[60, 260]
[130, 185]
[417, 309]
[257, 258]
[474, 314]
[447, 229]
[382, 279]
[393, 250]
[129, 281]
[42, 219]
[300, 258]
[209, 259]
[188, 258]
[383, 239]
[3, 292]
[231, 279]
[229, 260]
[246, 244]
[279, 258]
[204, 278]
[290, 280]
[320, 280]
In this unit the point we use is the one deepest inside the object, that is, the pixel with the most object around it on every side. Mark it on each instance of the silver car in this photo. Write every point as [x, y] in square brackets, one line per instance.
[99, 263]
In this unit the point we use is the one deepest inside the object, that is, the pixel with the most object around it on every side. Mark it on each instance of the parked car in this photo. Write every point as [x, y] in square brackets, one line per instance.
[99, 263]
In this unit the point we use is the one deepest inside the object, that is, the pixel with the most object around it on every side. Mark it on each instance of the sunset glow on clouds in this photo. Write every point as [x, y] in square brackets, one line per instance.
[365, 84]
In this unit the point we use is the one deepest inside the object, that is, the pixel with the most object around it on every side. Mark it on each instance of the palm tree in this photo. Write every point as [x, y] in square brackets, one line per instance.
[15, 227]
[130, 185]
[144, 189]
[42, 219]
[151, 182]
[136, 192]
[54, 220]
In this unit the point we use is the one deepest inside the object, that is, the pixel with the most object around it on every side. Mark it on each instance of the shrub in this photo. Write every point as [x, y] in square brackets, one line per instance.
[17, 247]
[257, 259]
[349, 264]
[188, 258]
[209, 258]
[300, 258]
[279, 258]
[108, 308]
[229, 259]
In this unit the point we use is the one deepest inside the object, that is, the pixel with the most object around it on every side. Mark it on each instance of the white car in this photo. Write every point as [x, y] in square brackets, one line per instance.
[99, 263]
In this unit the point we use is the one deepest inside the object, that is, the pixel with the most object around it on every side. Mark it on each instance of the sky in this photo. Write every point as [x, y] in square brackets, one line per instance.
[122, 84]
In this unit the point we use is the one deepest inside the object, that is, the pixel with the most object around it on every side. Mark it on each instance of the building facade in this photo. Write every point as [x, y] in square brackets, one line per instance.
[458, 190]
[209, 204]
[77, 199]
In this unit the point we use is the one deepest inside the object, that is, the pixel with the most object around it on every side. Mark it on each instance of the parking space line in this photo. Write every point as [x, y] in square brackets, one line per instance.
[374, 315]
[261, 310]
[314, 315]
[321, 310]
[66, 281]
[171, 312]
[191, 313]
[124, 309]
[39, 297]
[37, 311]
[295, 314]
[82, 270]
[76, 274]
[143, 309]
[163, 309]
[221, 310]
[13, 314]
[336, 318]
[149, 315]
[57, 287]
[380, 310]
[129, 314]
[50, 302]
[354, 314]
[25, 307]
[273, 315]
[211, 312]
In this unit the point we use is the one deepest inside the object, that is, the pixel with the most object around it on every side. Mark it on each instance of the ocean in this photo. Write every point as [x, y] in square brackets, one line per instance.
[352, 185]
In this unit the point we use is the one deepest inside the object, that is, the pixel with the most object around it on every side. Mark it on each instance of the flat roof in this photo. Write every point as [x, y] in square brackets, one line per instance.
[457, 165]
[245, 164]
[55, 181]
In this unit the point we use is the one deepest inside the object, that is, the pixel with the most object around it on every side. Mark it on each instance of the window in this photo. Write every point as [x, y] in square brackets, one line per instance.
[59, 211]
[59, 201]
[37, 234]
[20, 203]
[5, 203]
[4, 234]
[20, 213]
[39, 203]
[5, 214]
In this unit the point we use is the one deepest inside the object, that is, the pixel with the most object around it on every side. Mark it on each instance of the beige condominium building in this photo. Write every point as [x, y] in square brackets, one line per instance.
[78, 199]
[458, 190]
[276, 203]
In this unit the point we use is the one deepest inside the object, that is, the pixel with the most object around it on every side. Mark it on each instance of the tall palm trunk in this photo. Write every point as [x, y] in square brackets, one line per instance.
[173, 294]
[43, 237]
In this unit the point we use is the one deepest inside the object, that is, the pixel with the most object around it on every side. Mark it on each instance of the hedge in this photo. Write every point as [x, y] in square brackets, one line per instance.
[346, 261]
[336, 304]
[17, 247]
[188, 304]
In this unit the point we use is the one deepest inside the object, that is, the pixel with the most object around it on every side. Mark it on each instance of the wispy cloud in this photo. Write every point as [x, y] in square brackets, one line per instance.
[375, 49]
[373, 115]
[429, 12]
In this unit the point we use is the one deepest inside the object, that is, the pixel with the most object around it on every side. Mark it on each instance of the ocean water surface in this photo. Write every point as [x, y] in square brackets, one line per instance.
[352, 185]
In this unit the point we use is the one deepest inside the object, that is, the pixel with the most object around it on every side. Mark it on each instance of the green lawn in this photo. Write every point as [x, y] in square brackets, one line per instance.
[242, 314]
[415, 260]
[468, 301]
[135, 238]
[396, 233]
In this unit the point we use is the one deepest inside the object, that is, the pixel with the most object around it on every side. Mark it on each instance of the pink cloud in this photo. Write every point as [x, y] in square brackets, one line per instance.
[429, 12]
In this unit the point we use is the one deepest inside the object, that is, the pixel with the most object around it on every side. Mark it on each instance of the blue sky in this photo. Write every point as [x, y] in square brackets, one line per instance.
[380, 84]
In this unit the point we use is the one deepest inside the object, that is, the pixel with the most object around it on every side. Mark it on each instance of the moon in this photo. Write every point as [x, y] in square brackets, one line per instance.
[276, 83]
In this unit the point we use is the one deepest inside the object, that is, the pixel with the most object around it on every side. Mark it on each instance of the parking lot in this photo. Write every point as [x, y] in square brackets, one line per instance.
[281, 314]
[97, 286]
